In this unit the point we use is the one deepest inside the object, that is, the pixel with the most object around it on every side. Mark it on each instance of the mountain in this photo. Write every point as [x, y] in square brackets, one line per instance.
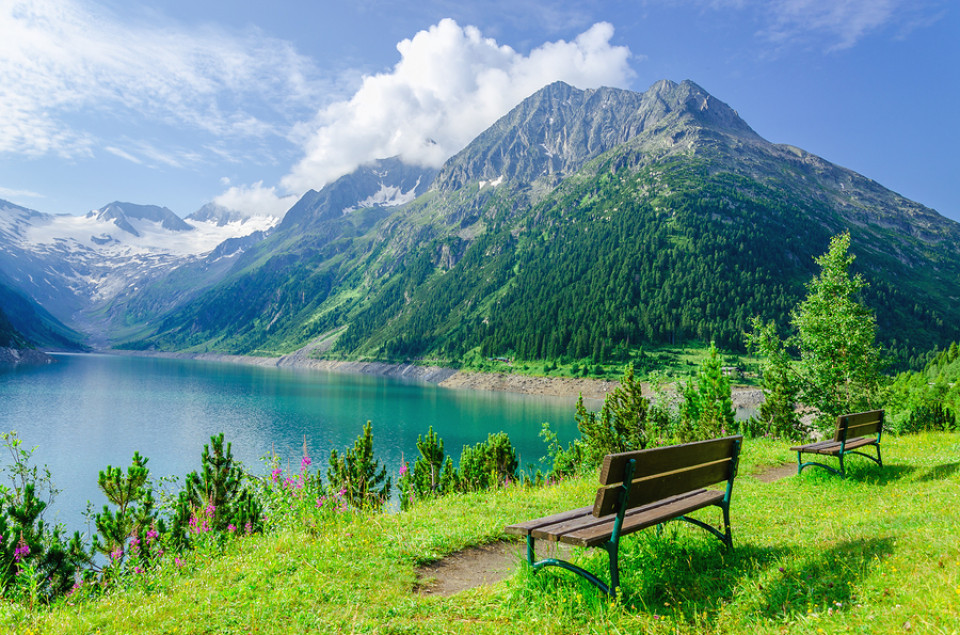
[14, 347]
[26, 325]
[77, 266]
[381, 184]
[126, 216]
[218, 214]
[585, 224]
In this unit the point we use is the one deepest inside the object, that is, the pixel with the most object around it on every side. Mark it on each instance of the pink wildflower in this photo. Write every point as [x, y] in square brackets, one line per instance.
[275, 474]
[231, 528]
[22, 550]
[116, 554]
[403, 470]
[305, 463]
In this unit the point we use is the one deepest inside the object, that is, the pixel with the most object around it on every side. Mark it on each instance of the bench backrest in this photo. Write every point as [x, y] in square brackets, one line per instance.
[666, 471]
[859, 424]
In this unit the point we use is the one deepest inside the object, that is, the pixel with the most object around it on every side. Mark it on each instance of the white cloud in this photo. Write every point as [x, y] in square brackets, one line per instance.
[61, 60]
[255, 200]
[123, 154]
[450, 84]
[833, 24]
[843, 22]
[7, 192]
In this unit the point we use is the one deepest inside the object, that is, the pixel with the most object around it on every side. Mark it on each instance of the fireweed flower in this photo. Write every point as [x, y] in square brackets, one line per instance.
[231, 528]
[403, 470]
[22, 551]
[152, 534]
[275, 474]
[305, 463]
[116, 554]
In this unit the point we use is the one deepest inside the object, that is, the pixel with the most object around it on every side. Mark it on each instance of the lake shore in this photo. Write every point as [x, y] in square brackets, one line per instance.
[742, 396]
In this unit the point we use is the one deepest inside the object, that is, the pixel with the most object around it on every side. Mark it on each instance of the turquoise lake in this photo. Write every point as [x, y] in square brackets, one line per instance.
[88, 411]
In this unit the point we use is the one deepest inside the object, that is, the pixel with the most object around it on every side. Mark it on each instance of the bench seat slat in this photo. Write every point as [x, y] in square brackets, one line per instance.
[524, 529]
[643, 517]
[832, 448]
[553, 527]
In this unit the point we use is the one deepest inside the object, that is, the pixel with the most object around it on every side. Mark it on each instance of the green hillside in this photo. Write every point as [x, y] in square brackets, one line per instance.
[666, 221]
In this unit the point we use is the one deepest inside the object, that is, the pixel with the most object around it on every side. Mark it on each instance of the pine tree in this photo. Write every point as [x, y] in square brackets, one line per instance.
[708, 407]
[358, 474]
[216, 498]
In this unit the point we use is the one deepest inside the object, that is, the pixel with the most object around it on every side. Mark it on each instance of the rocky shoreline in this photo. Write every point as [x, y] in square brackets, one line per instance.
[23, 356]
[743, 396]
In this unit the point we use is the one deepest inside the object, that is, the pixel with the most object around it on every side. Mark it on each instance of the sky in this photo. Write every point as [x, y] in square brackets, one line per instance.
[249, 104]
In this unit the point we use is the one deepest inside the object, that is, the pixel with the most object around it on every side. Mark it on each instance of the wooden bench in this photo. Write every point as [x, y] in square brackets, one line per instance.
[639, 490]
[853, 431]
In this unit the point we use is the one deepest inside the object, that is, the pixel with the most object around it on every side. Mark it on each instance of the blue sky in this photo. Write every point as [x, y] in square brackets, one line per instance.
[249, 104]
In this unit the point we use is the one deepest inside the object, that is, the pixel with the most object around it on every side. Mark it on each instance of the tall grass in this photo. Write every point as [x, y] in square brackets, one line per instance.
[876, 552]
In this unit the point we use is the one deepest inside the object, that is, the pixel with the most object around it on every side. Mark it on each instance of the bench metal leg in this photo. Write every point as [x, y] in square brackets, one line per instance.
[801, 464]
[842, 472]
[610, 589]
[876, 460]
[726, 536]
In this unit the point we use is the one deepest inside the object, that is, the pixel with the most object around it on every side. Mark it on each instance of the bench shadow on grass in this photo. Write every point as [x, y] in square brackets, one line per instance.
[692, 579]
[687, 575]
[940, 472]
[827, 580]
[867, 472]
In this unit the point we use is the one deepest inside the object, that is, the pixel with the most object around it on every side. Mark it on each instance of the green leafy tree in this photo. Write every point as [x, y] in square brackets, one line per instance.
[35, 557]
[839, 357]
[361, 478]
[430, 474]
[707, 407]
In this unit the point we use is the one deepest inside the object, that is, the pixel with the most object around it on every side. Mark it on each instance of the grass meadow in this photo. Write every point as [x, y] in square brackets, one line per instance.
[877, 552]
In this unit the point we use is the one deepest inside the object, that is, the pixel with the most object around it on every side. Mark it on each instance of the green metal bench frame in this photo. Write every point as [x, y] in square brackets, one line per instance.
[853, 431]
[639, 490]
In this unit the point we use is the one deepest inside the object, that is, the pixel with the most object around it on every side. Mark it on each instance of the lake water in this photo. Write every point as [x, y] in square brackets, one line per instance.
[88, 411]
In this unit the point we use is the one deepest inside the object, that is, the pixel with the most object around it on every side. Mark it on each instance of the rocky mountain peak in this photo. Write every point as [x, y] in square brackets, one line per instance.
[556, 130]
[122, 213]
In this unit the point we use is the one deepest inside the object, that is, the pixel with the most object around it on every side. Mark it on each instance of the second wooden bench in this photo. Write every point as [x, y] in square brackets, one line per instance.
[853, 431]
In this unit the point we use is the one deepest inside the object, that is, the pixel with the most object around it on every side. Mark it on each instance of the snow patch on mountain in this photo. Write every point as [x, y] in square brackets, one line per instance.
[386, 196]
[149, 237]
[494, 183]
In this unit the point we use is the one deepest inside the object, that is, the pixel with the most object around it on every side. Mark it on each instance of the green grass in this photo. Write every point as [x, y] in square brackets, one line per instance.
[669, 361]
[876, 552]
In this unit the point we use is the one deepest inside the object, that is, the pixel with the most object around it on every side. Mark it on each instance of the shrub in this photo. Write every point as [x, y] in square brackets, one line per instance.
[488, 463]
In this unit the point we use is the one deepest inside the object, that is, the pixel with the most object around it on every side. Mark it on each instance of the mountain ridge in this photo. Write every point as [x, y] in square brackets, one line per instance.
[585, 224]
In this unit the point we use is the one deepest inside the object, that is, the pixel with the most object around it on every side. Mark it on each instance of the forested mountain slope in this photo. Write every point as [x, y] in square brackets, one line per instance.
[586, 224]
